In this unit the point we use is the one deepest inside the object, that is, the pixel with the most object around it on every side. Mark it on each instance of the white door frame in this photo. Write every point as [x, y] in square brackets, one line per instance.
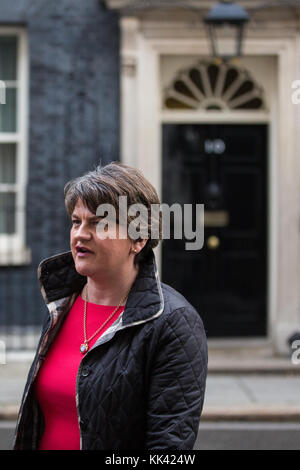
[141, 121]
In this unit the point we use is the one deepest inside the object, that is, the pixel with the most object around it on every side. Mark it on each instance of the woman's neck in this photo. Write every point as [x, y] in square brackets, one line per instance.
[109, 290]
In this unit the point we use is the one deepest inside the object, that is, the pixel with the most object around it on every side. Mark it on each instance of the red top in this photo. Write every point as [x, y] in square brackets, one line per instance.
[56, 380]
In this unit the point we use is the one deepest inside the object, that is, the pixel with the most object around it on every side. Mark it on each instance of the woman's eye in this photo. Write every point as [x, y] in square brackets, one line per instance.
[75, 221]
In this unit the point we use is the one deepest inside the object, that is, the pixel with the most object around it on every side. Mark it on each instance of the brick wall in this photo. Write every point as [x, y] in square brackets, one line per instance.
[73, 124]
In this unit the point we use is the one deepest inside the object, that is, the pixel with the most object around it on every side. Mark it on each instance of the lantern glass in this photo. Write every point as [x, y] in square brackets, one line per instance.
[226, 40]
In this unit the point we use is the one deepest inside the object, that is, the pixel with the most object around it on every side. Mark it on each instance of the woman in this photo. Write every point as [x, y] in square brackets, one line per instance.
[122, 359]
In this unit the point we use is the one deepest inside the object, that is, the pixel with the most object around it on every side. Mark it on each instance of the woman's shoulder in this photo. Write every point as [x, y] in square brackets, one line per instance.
[174, 301]
[179, 319]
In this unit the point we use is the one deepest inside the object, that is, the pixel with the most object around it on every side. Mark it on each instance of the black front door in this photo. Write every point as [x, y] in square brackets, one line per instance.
[225, 168]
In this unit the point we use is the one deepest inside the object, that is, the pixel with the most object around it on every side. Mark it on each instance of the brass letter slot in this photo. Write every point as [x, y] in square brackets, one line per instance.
[216, 218]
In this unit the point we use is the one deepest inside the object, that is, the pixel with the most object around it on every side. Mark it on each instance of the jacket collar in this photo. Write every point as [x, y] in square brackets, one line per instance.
[60, 284]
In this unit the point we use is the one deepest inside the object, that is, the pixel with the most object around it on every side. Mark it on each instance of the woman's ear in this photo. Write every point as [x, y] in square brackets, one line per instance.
[138, 246]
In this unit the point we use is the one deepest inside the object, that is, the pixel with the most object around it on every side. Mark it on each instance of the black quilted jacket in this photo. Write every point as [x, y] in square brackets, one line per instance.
[141, 386]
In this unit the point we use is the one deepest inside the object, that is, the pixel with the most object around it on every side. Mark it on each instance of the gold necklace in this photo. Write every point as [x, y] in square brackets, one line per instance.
[85, 345]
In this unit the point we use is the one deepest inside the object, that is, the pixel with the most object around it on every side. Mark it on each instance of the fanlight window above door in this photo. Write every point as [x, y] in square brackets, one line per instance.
[209, 86]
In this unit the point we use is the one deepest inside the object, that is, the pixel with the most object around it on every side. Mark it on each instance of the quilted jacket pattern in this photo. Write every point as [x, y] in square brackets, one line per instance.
[141, 386]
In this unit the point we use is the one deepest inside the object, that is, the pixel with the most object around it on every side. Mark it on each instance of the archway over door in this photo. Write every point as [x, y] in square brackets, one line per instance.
[211, 86]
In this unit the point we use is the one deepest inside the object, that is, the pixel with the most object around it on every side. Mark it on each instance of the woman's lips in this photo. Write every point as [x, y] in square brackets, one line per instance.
[82, 254]
[82, 251]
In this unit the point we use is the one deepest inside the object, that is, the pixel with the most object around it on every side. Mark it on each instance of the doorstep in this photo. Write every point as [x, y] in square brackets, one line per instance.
[256, 413]
[247, 356]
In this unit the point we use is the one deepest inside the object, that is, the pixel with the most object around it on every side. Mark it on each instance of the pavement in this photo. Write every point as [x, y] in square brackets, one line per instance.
[252, 400]
[251, 384]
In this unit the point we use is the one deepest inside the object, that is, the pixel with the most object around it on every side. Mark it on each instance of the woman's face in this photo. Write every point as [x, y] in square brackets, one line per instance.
[105, 255]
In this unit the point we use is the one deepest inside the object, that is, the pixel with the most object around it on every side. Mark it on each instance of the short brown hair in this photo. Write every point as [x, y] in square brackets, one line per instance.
[105, 184]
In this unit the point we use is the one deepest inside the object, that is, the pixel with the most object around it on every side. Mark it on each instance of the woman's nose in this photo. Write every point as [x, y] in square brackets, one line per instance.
[83, 232]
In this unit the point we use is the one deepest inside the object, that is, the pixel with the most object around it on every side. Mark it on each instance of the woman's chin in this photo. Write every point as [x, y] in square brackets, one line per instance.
[82, 267]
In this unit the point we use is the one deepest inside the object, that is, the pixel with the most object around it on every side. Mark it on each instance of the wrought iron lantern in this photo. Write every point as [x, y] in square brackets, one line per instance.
[226, 24]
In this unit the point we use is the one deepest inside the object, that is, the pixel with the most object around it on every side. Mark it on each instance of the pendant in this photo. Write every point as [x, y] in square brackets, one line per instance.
[83, 348]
